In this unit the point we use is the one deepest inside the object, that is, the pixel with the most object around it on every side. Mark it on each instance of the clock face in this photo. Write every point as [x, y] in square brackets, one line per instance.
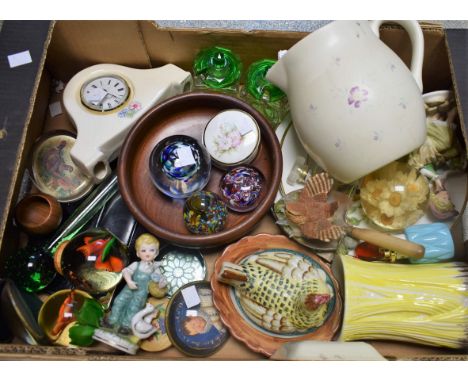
[105, 93]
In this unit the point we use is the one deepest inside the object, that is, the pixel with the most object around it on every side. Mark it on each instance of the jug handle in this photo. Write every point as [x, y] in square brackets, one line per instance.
[417, 41]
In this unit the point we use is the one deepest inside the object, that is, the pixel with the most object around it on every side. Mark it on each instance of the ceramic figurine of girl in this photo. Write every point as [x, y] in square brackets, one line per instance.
[138, 275]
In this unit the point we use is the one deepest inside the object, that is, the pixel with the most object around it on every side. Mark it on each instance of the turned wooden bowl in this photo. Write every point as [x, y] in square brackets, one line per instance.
[38, 214]
[188, 114]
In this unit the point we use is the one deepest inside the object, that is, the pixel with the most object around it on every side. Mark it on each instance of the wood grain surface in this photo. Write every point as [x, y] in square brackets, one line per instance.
[188, 114]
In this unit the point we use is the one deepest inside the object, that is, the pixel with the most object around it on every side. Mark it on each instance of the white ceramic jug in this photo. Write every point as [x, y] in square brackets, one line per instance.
[354, 103]
[102, 132]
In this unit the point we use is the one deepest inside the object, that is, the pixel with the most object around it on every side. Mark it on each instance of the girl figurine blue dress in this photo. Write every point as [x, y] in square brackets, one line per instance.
[137, 275]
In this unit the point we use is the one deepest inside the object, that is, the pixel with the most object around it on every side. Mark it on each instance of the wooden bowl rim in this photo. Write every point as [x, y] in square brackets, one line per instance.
[225, 236]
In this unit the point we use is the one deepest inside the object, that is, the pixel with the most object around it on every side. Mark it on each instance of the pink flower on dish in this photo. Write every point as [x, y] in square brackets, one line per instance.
[224, 143]
[357, 96]
[235, 137]
[135, 106]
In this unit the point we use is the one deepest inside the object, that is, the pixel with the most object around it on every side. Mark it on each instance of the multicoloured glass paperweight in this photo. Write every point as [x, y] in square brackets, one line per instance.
[205, 213]
[193, 322]
[181, 266]
[217, 68]
[179, 166]
[93, 261]
[262, 94]
[241, 188]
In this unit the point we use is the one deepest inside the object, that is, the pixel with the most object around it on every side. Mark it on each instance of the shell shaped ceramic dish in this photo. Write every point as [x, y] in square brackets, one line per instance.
[53, 171]
[188, 114]
[232, 315]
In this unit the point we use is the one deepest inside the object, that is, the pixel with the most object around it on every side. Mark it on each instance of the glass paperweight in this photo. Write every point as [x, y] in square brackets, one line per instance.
[32, 268]
[205, 213]
[59, 312]
[394, 197]
[179, 166]
[263, 95]
[181, 266]
[196, 331]
[217, 68]
[93, 261]
[241, 188]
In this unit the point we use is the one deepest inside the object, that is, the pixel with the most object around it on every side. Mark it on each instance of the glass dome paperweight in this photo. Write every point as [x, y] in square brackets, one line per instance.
[217, 68]
[394, 197]
[205, 213]
[241, 188]
[181, 266]
[93, 261]
[179, 166]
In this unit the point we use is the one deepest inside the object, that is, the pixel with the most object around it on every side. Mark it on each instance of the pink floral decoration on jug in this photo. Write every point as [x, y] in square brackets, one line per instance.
[357, 96]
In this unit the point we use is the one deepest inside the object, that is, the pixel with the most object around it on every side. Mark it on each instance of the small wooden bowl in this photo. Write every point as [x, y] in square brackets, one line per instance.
[188, 114]
[38, 214]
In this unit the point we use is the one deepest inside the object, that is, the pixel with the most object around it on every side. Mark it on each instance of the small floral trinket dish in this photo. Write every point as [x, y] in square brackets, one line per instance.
[241, 188]
[53, 171]
[205, 213]
[193, 323]
[181, 266]
[179, 166]
[232, 137]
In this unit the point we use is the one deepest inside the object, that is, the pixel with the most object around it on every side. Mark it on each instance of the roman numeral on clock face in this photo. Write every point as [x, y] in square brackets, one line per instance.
[105, 93]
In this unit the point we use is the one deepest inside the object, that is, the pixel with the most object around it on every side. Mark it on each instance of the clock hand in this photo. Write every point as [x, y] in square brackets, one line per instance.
[112, 94]
[102, 101]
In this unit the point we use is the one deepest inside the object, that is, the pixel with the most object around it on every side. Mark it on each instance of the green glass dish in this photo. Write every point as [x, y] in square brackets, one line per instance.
[217, 67]
[258, 86]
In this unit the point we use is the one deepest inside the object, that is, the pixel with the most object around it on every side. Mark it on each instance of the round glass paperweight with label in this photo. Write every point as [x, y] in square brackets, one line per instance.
[179, 166]
[241, 188]
[93, 261]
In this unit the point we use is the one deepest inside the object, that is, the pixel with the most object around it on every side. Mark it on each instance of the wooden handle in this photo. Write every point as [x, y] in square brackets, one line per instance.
[384, 240]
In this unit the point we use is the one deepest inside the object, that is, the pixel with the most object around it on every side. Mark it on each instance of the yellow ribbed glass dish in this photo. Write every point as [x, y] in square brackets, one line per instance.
[425, 304]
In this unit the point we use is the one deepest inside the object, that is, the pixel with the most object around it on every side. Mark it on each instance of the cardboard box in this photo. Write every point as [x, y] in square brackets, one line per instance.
[73, 45]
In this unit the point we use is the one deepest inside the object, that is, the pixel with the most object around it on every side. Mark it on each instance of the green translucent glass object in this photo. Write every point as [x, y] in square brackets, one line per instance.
[217, 68]
[258, 86]
[263, 95]
[32, 268]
